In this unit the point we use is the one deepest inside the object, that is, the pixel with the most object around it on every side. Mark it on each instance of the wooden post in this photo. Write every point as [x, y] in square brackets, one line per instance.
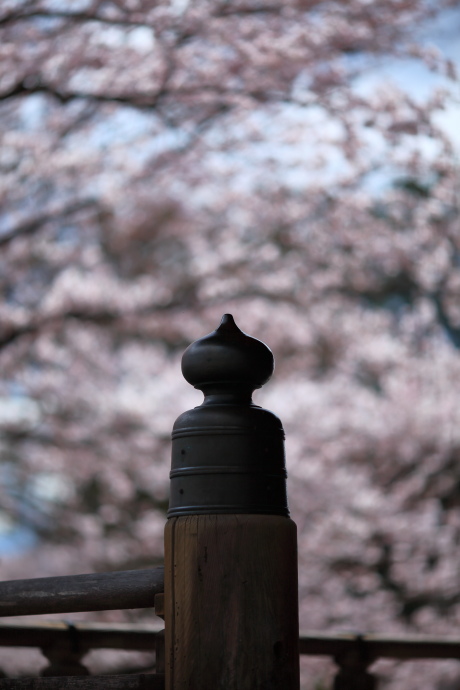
[64, 661]
[160, 636]
[231, 601]
[65, 656]
[353, 664]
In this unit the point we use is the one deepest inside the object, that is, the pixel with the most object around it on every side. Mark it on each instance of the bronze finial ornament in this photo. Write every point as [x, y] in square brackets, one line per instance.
[227, 453]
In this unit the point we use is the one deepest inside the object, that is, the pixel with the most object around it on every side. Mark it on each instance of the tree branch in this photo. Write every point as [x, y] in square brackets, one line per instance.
[34, 224]
[137, 100]
[78, 17]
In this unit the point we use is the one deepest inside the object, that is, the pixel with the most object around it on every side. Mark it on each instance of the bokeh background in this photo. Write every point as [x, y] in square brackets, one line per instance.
[295, 164]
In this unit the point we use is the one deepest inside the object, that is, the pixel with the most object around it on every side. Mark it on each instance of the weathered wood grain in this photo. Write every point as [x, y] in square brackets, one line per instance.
[231, 606]
[125, 682]
[127, 589]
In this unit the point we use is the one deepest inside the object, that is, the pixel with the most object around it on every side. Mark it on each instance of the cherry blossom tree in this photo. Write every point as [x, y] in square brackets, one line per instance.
[166, 162]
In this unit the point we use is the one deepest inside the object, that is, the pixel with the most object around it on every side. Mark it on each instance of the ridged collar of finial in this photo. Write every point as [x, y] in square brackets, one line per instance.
[227, 359]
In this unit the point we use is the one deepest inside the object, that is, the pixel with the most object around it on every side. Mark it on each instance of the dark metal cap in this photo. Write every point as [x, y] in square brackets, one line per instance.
[228, 454]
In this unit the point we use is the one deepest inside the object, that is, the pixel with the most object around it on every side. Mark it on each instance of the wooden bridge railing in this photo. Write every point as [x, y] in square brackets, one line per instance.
[65, 644]
[353, 654]
[228, 592]
[126, 589]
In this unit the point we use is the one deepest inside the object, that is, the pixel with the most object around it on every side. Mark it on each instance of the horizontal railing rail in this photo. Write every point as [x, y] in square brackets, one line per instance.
[127, 636]
[126, 589]
[379, 646]
[353, 653]
[141, 637]
[124, 682]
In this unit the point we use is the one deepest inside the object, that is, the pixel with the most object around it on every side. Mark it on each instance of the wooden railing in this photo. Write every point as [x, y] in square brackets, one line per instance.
[228, 593]
[65, 644]
[355, 654]
[125, 589]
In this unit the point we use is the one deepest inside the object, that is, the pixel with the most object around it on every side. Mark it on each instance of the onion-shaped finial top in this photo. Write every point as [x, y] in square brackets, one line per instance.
[227, 356]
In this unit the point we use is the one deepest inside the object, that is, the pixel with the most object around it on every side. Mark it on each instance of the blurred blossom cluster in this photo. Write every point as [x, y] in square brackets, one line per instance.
[163, 162]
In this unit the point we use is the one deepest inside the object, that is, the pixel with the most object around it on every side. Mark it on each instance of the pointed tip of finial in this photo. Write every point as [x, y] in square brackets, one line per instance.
[227, 354]
[228, 326]
[227, 320]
